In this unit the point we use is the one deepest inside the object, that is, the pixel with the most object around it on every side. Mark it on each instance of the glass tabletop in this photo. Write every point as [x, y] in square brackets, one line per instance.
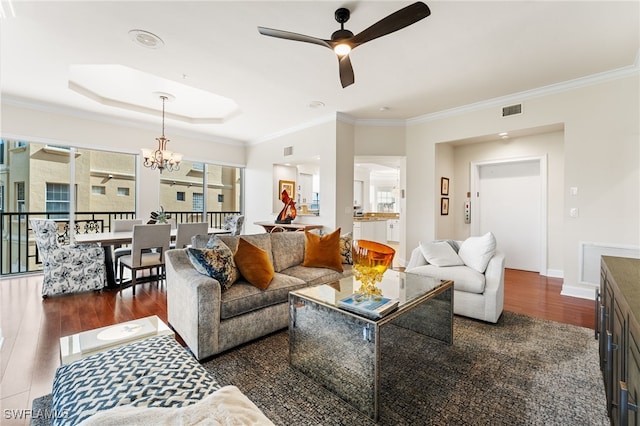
[402, 286]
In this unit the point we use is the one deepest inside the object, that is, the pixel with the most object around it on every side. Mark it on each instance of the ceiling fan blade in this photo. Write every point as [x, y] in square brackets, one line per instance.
[394, 22]
[293, 36]
[346, 71]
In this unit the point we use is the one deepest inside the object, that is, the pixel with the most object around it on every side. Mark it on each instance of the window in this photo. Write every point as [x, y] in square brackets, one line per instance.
[124, 192]
[198, 202]
[20, 200]
[2, 145]
[98, 190]
[385, 199]
[57, 199]
[180, 196]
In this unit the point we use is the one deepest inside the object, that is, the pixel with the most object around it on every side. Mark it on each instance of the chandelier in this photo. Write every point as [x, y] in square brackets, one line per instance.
[161, 158]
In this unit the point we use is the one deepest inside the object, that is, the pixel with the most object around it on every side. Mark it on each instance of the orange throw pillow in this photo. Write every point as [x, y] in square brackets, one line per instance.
[254, 264]
[322, 251]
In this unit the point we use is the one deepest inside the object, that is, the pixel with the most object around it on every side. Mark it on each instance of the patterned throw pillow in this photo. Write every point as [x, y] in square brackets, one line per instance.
[216, 262]
[345, 248]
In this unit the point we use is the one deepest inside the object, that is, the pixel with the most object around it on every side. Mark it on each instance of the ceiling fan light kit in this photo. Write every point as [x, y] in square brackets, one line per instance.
[343, 41]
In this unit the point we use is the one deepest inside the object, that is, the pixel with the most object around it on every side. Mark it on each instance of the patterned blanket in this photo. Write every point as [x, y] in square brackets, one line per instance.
[155, 372]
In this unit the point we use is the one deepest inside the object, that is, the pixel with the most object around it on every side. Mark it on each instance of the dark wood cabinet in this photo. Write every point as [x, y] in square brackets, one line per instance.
[618, 331]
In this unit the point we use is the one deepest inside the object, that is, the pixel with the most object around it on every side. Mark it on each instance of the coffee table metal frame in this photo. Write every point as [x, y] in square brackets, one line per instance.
[342, 350]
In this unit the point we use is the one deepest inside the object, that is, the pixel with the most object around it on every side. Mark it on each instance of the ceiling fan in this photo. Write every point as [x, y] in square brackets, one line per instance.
[343, 41]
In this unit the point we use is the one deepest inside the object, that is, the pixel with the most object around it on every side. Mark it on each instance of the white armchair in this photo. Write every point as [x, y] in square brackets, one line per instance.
[67, 268]
[476, 294]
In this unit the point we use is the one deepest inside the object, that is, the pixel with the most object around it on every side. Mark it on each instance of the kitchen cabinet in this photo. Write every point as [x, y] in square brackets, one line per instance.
[372, 230]
[393, 230]
[357, 231]
[618, 331]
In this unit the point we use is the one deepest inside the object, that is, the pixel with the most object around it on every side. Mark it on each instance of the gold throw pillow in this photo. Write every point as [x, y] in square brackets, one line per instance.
[254, 264]
[322, 251]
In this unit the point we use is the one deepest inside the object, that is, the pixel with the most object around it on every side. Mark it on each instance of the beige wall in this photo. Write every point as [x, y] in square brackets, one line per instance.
[261, 183]
[548, 144]
[601, 158]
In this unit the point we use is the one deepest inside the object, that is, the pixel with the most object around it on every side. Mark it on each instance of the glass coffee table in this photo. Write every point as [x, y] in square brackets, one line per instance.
[342, 350]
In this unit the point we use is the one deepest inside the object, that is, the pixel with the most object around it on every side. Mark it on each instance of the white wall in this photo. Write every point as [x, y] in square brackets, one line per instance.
[601, 158]
[52, 127]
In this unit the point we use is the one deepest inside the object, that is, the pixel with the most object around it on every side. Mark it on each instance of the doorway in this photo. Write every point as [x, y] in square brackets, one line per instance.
[509, 199]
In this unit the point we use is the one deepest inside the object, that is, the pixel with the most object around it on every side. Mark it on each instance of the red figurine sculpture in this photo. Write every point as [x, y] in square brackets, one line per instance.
[288, 213]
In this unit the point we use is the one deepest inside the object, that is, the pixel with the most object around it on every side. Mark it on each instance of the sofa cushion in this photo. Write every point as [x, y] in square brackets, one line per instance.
[476, 252]
[287, 249]
[440, 253]
[254, 264]
[216, 262]
[345, 248]
[244, 297]
[322, 251]
[464, 278]
[313, 276]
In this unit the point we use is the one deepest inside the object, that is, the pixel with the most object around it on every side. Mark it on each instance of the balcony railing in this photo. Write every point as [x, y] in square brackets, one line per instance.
[18, 253]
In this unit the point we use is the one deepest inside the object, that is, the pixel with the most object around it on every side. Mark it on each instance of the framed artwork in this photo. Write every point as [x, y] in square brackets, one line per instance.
[444, 186]
[289, 186]
[444, 206]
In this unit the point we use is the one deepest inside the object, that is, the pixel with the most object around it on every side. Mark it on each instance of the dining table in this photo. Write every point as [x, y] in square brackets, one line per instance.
[115, 239]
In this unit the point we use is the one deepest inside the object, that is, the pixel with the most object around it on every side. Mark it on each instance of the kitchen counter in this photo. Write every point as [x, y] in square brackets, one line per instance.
[369, 219]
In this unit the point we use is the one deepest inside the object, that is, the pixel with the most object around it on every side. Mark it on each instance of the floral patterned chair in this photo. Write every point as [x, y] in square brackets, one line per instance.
[234, 224]
[67, 268]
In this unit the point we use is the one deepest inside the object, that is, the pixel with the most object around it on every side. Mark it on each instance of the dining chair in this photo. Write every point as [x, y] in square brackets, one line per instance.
[234, 224]
[122, 225]
[67, 268]
[148, 247]
[186, 231]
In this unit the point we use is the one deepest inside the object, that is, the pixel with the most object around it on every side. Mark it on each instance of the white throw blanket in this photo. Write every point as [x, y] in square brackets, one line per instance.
[226, 406]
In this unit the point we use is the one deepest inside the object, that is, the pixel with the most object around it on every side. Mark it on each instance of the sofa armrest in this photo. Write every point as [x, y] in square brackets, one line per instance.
[193, 304]
[494, 287]
[417, 259]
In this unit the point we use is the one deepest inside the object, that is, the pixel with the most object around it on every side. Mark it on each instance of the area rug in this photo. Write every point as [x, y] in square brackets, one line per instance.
[520, 371]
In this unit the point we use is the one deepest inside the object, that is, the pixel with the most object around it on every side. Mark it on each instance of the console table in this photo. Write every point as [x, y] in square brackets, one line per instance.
[268, 226]
[618, 329]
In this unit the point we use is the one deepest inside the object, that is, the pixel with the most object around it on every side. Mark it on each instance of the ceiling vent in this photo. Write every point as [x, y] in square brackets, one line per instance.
[288, 150]
[512, 110]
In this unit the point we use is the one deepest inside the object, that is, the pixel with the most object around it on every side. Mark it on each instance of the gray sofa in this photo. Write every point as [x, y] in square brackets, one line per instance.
[212, 320]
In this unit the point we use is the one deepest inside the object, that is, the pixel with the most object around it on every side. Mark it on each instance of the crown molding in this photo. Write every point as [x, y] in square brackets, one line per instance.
[116, 121]
[533, 93]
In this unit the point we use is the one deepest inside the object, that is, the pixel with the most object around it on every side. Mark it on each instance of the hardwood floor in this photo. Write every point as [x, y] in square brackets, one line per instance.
[32, 326]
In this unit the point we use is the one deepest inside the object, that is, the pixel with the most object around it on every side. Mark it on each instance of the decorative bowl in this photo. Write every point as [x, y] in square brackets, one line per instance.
[370, 261]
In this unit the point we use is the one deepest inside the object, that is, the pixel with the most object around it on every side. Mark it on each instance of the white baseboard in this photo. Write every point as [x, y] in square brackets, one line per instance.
[554, 273]
[582, 291]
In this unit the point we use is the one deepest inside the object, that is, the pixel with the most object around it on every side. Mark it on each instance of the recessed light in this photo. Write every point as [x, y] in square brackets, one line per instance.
[146, 39]
[504, 135]
[384, 108]
[316, 104]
